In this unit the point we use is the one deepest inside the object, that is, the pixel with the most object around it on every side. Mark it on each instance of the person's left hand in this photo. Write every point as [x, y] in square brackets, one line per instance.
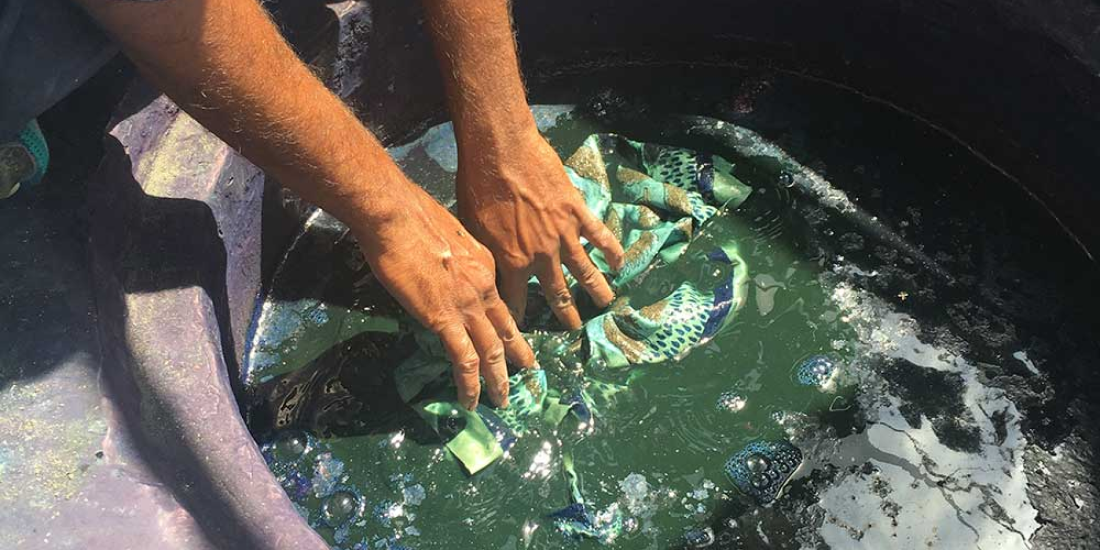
[521, 205]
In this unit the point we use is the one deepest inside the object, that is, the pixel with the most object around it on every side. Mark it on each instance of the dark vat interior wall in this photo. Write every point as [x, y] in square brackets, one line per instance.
[1015, 80]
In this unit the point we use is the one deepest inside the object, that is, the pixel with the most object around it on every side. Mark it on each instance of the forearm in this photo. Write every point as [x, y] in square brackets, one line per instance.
[477, 56]
[226, 64]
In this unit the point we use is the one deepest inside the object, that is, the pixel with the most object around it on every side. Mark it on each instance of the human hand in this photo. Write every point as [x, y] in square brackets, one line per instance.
[521, 205]
[445, 279]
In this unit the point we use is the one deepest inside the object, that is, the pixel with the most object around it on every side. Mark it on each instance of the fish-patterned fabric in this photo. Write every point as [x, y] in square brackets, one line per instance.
[659, 201]
[654, 199]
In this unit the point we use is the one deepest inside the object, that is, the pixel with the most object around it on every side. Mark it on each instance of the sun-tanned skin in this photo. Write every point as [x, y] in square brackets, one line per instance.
[226, 64]
[513, 193]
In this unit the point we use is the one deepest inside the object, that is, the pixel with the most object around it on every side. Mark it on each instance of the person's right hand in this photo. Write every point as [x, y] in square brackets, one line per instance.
[446, 280]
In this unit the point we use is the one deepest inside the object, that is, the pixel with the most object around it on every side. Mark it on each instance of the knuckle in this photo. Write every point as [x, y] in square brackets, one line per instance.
[508, 333]
[490, 297]
[581, 265]
[514, 260]
[441, 323]
[591, 221]
[467, 302]
[469, 391]
[590, 276]
[486, 288]
[546, 256]
[468, 361]
[561, 297]
[494, 355]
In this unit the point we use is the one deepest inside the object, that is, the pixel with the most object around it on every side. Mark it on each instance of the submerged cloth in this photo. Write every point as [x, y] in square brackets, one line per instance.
[684, 280]
[656, 200]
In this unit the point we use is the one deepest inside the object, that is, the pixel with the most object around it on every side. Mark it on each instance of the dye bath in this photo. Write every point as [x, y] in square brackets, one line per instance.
[864, 345]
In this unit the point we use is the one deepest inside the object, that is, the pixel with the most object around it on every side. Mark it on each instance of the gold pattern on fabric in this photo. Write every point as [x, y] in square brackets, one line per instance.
[655, 311]
[686, 227]
[631, 348]
[637, 251]
[532, 385]
[587, 162]
[614, 223]
[628, 176]
[647, 218]
[619, 305]
[677, 199]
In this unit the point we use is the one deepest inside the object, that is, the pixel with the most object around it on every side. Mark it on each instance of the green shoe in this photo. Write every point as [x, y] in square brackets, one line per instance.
[24, 161]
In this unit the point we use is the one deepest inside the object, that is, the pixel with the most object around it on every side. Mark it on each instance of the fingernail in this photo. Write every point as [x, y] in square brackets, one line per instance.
[471, 405]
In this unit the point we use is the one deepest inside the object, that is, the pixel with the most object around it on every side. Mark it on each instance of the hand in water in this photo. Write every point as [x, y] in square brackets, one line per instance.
[445, 279]
[522, 206]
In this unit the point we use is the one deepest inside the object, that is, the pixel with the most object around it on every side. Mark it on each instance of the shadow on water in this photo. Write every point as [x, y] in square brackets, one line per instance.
[334, 396]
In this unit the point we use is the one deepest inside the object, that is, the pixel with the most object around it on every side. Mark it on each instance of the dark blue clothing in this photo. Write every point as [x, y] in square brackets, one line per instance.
[47, 49]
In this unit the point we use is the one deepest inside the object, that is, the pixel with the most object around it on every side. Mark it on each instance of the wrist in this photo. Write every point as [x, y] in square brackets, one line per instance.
[497, 133]
[371, 196]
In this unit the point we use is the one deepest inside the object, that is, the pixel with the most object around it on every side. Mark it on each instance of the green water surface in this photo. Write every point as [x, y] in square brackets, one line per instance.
[657, 454]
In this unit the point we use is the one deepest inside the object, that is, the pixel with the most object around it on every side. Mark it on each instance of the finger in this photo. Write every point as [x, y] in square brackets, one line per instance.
[516, 348]
[588, 275]
[557, 294]
[602, 238]
[463, 355]
[513, 288]
[491, 351]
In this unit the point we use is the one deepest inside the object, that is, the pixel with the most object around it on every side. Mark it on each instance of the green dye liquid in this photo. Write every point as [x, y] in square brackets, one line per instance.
[883, 450]
[675, 427]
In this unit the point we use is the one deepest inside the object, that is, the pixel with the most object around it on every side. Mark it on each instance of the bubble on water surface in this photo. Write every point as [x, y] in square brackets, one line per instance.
[757, 463]
[291, 446]
[732, 402]
[786, 179]
[699, 538]
[339, 508]
[762, 468]
[817, 371]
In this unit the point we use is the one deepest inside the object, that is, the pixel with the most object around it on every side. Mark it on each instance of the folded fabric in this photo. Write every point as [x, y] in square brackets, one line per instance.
[656, 200]
[683, 281]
